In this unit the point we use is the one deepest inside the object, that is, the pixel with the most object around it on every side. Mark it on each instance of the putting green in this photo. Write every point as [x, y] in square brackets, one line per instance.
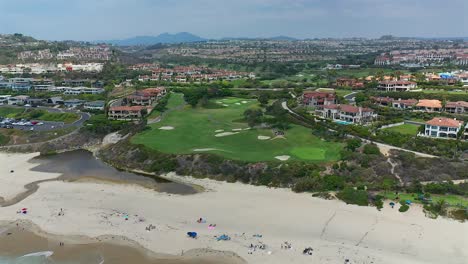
[308, 153]
[195, 129]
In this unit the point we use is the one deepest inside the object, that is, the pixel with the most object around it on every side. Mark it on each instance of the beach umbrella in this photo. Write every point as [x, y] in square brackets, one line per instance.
[24, 209]
[392, 203]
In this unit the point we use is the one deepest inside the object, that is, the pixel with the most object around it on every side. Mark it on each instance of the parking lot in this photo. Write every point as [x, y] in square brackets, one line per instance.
[39, 125]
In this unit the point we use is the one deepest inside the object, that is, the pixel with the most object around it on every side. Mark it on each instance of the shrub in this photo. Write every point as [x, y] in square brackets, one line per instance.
[351, 196]
[404, 208]
[371, 149]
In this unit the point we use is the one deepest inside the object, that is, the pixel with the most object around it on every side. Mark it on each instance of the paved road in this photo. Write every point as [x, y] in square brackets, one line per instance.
[351, 97]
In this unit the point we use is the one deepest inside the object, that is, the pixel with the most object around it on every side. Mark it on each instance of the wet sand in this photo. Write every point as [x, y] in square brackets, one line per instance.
[81, 166]
[17, 241]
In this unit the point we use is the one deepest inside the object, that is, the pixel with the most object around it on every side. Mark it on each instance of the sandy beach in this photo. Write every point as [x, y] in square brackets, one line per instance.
[334, 230]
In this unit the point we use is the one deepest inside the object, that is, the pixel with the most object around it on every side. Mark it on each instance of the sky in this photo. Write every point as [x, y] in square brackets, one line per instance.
[119, 19]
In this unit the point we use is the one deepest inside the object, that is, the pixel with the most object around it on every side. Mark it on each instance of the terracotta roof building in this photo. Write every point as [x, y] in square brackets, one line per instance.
[459, 107]
[429, 105]
[443, 127]
[125, 112]
[396, 86]
[318, 99]
[347, 113]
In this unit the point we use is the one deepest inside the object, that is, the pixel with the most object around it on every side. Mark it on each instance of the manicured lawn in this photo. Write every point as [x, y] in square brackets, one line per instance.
[10, 112]
[450, 199]
[406, 129]
[37, 114]
[427, 91]
[195, 129]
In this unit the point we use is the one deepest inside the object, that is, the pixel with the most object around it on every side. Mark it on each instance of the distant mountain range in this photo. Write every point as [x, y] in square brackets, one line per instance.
[185, 37]
[165, 38]
[182, 37]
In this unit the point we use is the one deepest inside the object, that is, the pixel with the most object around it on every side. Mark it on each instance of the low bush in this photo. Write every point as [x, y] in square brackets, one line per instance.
[351, 196]
[403, 208]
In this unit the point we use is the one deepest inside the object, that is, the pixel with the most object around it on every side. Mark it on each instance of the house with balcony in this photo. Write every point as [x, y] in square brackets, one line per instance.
[459, 107]
[349, 82]
[21, 84]
[347, 113]
[443, 127]
[18, 100]
[404, 103]
[125, 112]
[137, 99]
[95, 105]
[396, 86]
[73, 103]
[317, 99]
[429, 106]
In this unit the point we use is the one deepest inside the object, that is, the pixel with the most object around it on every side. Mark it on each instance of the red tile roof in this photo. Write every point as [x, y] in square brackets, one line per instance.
[319, 95]
[407, 101]
[456, 104]
[347, 108]
[443, 121]
[430, 103]
[396, 82]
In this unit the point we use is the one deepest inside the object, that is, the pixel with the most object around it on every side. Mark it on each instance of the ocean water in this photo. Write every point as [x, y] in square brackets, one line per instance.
[46, 257]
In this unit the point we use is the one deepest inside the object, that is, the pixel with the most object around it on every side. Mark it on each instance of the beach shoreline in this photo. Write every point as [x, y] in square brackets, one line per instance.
[249, 215]
[33, 240]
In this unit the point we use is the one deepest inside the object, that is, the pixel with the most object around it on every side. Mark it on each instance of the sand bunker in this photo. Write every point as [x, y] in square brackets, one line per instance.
[226, 134]
[219, 131]
[283, 158]
[238, 103]
[204, 149]
[247, 128]
[225, 105]
[237, 129]
[166, 128]
[244, 102]
[263, 137]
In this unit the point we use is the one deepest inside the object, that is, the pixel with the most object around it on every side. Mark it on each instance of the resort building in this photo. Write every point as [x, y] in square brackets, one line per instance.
[95, 105]
[82, 90]
[318, 99]
[429, 105]
[347, 113]
[459, 107]
[125, 112]
[18, 100]
[349, 82]
[153, 93]
[442, 127]
[139, 100]
[73, 103]
[404, 104]
[398, 104]
[396, 86]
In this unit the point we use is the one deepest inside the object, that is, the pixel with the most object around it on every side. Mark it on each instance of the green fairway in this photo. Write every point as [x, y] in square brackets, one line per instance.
[202, 130]
[406, 129]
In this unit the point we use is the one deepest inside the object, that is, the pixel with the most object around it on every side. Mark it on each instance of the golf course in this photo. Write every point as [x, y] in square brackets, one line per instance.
[222, 131]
